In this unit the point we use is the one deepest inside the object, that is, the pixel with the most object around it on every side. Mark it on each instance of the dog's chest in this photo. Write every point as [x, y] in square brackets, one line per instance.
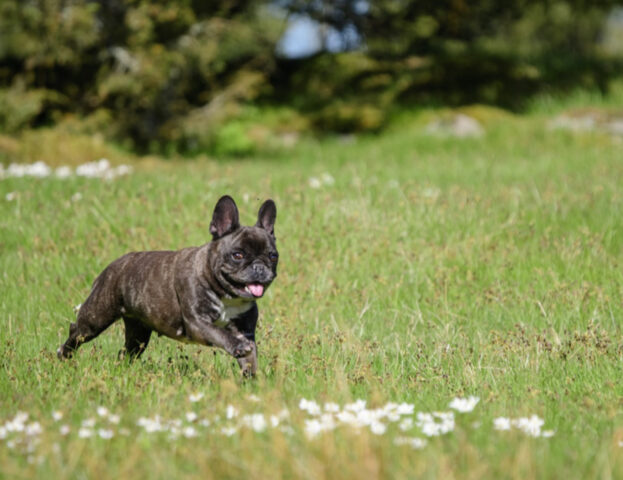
[232, 309]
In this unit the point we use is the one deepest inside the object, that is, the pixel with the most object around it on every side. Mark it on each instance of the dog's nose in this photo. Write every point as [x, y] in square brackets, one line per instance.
[261, 272]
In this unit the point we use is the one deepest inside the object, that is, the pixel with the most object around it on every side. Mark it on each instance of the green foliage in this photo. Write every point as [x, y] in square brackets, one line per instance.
[18, 108]
[350, 117]
[150, 63]
[463, 52]
[172, 75]
[233, 139]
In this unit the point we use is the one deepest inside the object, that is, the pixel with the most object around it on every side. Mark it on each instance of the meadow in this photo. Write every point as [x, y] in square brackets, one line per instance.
[416, 270]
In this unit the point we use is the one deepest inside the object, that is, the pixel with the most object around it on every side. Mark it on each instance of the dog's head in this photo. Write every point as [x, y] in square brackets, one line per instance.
[244, 259]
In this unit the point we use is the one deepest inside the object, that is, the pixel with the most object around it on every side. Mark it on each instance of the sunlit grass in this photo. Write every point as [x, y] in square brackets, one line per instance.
[413, 270]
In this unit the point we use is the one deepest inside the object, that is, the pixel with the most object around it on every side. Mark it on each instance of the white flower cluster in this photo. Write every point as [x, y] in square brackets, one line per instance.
[398, 418]
[529, 425]
[464, 405]
[354, 414]
[229, 425]
[87, 427]
[98, 169]
[21, 434]
[436, 423]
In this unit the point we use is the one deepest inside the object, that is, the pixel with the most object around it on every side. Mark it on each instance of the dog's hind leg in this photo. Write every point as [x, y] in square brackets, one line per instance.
[99, 311]
[136, 337]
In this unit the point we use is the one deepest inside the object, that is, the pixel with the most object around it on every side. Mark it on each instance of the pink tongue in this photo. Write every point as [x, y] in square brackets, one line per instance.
[256, 289]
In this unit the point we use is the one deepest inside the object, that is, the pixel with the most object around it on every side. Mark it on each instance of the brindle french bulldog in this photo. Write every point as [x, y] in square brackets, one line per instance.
[203, 295]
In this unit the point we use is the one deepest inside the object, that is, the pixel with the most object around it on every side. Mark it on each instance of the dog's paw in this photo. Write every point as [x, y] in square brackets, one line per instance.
[63, 353]
[248, 372]
[243, 348]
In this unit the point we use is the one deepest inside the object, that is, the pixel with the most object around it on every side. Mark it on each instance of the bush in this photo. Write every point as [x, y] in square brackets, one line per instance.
[153, 64]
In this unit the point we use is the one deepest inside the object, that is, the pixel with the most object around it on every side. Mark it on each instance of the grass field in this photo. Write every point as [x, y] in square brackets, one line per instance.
[413, 269]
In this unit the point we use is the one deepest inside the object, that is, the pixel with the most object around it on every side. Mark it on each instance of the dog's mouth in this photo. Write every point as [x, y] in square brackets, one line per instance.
[247, 290]
[255, 289]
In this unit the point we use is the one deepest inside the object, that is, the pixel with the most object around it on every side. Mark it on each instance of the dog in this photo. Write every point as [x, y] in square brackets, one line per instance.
[205, 295]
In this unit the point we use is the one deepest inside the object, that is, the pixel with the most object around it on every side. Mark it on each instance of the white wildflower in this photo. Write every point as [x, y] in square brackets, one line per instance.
[191, 416]
[150, 425]
[102, 411]
[63, 172]
[195, 397]
[231, 412]
[405, 409]
[323, 423]
[189, 432]
[437, 423]
[9, 197]
[38, 169]
[406, 424]
[346, 417]
[331, 407]
[57, 415]
[464, 405]
[309, 406]
[88, 423]
[530, 426]
[357, 406]
[378, 428]
[327, 179]
[177, 423]
[313, 427]
[413, 442]
[17, 424]
[33, 428]
[64, 430]
[314, 182]
[105, 434]
[93, 169]
[85, 433]
[114, 418]
[20, 417]
[228, 431]
[502, 423]
[255, 421]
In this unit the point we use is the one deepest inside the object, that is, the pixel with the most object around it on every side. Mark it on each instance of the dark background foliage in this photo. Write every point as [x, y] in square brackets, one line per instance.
[159, 75]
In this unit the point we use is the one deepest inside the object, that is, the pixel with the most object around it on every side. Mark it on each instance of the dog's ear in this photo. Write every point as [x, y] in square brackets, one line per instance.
[225, 217]
[266, 216]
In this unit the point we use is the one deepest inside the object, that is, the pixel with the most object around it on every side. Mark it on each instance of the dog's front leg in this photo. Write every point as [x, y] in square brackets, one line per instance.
[230, 340]
[248, 364]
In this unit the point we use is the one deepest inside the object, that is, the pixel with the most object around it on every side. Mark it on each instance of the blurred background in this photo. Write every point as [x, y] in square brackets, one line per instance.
[229, 77]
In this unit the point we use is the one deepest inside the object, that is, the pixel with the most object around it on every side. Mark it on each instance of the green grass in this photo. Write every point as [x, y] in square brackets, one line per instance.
[432, 268]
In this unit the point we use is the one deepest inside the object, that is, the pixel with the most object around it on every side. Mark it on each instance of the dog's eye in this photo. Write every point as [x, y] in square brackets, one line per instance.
[273, 257]
[237, 255]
